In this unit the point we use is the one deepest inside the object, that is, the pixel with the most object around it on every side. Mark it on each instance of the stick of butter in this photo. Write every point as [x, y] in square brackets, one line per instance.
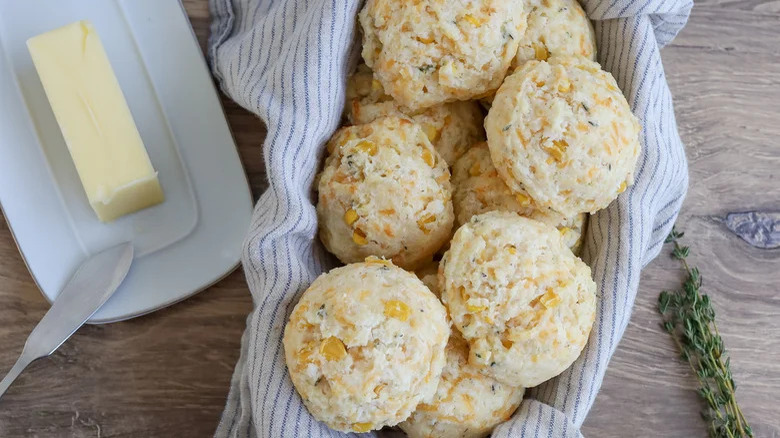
[95, 120]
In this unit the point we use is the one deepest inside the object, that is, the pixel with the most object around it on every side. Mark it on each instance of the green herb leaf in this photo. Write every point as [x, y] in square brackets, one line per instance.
[689, 317]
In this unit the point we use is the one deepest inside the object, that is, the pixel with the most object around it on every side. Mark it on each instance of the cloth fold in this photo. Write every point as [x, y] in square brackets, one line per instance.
[286, 61]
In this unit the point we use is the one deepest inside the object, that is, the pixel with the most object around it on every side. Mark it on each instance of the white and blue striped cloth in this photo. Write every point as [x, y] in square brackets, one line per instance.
[286, 61]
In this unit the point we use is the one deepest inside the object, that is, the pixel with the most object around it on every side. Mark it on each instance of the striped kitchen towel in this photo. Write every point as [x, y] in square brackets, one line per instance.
[286, 61]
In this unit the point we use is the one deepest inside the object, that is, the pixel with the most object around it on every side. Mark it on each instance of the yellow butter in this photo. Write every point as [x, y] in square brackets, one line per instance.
[95, 120]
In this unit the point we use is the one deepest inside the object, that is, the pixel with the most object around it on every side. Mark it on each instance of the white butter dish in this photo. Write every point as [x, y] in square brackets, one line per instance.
[182, 245]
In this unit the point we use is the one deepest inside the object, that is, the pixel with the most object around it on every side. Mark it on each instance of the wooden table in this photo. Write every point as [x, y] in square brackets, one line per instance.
[167, 374]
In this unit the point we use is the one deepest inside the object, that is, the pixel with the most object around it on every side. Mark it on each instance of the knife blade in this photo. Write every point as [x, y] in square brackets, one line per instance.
[90, 286]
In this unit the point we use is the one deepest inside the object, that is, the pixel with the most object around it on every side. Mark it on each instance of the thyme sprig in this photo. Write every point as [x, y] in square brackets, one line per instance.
[689, 318]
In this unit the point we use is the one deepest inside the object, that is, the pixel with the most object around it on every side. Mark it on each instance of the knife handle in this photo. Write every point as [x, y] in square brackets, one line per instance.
[90, 287]
[24, 360]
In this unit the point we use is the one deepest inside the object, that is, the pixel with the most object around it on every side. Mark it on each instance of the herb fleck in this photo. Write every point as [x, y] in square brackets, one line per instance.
[506, 34]
[427, 68]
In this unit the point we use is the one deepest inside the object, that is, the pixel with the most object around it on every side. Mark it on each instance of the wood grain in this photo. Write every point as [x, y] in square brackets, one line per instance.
[167, 374]
[724, 74]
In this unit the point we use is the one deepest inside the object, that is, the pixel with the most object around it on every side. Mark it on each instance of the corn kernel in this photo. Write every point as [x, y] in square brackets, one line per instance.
[475, 309]
[507, 343]
[397, 309]
[350, 216]
[427, 156]
[359, 237]
[512, 249]
[333, 349]
[564, 85]
[523, 199]
[473, 20]
[475, 170]
[622, 187]
[550, 299]
[426, 40]
[367, 147]
[361, 427]
[379, 388]
[541, 53]
[430, 131]
[376, 260]
[346, 137]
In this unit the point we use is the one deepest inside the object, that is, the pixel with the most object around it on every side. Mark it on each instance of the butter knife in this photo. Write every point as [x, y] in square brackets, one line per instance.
[88, 289]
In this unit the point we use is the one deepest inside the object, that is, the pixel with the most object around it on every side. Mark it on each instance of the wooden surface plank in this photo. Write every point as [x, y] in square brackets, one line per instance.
[167, 374]
[724, 73]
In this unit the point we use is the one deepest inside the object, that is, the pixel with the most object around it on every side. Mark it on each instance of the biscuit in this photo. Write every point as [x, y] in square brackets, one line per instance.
[555, 28]
[562, 131]
[365, 345]
[477, 188]
[451, 127]
[467, 403]
[520, 298]
[385, 192]
[429, 52]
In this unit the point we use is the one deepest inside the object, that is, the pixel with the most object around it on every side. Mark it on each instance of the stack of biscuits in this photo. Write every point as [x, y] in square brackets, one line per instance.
[480, 135]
